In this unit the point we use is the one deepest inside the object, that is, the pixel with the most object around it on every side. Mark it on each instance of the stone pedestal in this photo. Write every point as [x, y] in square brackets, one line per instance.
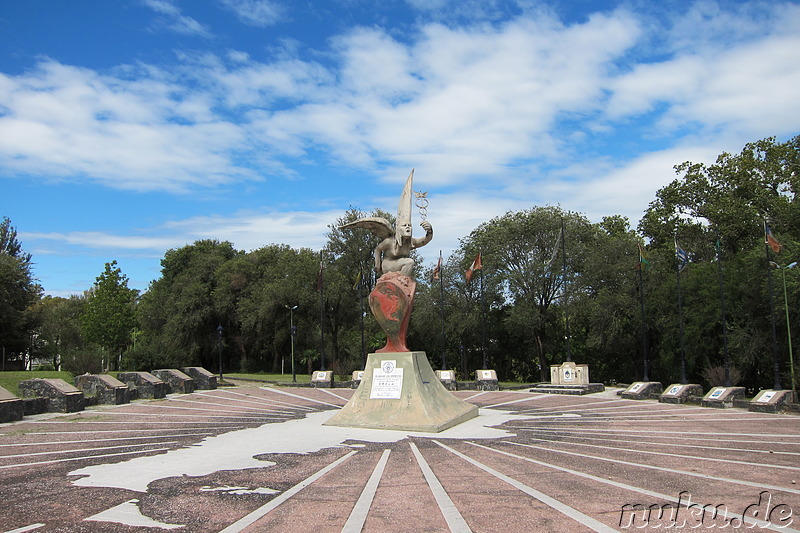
[203, 379]
[448, 379]
[771, 401]
[103, 388]
[63, 397]
[322, 379]
[569, 378]
[680, 393]
[722, 397]
[487, 380]
[400, 391]
[143, 385]
[643, 390]
[177, 381]
[11, 407]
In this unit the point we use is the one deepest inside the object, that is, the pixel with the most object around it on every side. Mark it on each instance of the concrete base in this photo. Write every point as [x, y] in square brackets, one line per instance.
[575, 390]
[643, 390]
[143, 385]
[203, 379]
[400, 391]
[487, 380]
[63, 397]
[448, 379]
[322, 379]
[772, 401]
[177, 382]
[722, 397]
[11, 407]
[680, 393]
[103, 389]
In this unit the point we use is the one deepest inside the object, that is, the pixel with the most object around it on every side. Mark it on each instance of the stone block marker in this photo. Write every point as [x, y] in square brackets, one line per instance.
[203, 379]
[322, 379]
[680, 393]
[63, 397]
[771, 401]
[722, 397]
[358, 376]
[104, 388]
[143, 385]
[11, 407]
[487, 380]
[448, 379]
[177, 381]
[569, 378]
[643, 390]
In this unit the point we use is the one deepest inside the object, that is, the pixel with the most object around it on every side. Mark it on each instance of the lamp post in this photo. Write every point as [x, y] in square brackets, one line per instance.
[786, 308]
[219, 348]
[292, 334]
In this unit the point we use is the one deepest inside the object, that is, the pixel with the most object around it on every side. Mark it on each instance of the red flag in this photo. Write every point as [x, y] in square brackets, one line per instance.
[438, 269]
[771, 240]
[476, 265]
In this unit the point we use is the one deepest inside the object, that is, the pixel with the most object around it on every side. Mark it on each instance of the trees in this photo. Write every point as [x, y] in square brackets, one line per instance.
[729, 200]
[18, 291]
[108, 317]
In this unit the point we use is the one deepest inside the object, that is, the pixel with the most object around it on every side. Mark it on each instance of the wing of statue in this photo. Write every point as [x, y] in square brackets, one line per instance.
[377, 225]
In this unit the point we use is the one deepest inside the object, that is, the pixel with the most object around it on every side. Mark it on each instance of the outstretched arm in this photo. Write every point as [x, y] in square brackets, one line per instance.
[416, 243]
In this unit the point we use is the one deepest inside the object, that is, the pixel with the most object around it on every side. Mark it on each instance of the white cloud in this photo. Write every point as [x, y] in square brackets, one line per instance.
[172, 18]
[259, 13]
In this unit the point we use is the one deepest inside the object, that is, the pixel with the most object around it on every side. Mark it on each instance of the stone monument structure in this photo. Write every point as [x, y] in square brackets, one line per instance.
[399, 389]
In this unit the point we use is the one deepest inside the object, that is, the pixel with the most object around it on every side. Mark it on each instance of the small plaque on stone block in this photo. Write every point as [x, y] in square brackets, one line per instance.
[387, 381]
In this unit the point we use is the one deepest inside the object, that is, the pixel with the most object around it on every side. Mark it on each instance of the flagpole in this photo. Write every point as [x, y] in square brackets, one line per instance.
[441, 310]
[776, 372]
[321, 314]
[678, 269]
[645, 376]
[722, 313]
[483, 322]
[645, 362]
[564, 285]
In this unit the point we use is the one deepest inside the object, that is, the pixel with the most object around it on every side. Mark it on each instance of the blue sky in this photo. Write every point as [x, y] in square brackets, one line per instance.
[130, 127]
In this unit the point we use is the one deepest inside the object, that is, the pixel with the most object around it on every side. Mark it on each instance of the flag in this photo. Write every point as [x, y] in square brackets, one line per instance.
[681, 256]
[476, 265]
[358, 280]
[643, 262]
[319, 278]
[438, 269]
[770, 239]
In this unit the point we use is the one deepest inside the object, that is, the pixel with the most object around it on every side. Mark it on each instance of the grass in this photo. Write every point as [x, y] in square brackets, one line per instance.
[10, 380]
[281, 378]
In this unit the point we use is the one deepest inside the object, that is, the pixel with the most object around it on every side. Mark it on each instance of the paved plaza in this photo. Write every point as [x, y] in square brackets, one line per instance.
[251, 458]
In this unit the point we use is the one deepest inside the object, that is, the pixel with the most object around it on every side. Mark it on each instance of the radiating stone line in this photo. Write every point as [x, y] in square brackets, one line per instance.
[682, 456]
[86, 457]
[671, 444]
[252, 517]
[355, 522]
[561, 507]
[307, 399]
[82, 450]
[110, 439]
[255, 400]
[454, 520]
[660, 468]
[625, 486]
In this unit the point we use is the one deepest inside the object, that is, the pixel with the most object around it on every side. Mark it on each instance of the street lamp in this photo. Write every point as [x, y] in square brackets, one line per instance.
[786, 308]
[219, 348]
[292, 333]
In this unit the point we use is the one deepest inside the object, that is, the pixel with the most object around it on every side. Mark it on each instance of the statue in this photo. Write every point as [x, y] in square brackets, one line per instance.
[392, 298]
[399, 389]
[393, 253]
